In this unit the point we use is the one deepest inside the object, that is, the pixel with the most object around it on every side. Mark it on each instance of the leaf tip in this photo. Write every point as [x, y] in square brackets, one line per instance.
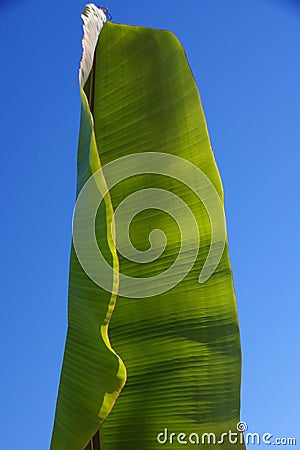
[93, 21]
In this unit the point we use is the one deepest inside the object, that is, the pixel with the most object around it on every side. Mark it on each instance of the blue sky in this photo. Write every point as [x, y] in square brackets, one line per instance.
[246, 60]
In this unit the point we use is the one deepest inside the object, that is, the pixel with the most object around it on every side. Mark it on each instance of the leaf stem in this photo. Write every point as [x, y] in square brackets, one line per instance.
[92, 86]
[96, 441]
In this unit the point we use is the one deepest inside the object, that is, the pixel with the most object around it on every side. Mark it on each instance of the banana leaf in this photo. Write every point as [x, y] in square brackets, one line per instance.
[152, 354]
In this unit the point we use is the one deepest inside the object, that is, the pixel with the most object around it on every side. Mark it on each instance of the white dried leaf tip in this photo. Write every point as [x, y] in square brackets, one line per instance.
[93, 21]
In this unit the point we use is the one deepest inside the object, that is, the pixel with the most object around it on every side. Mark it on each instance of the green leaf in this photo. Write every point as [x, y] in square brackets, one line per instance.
[181, 347]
